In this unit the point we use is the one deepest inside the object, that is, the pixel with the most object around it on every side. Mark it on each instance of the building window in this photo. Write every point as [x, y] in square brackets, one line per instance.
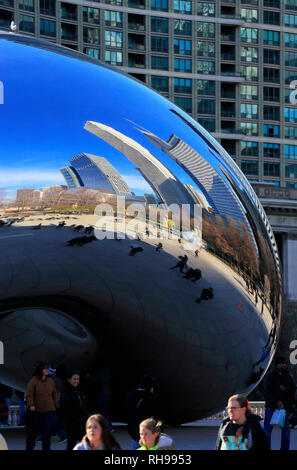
[92, 52]
[271, 56]
[114, 57]
[291, 40]
[183, 27]
[207, 123]
[205, 49]
[181, 6]
[290, 75]
[271, 150]
[184, 103]
[113, 39]
[270, 130]
[47, 7]
[182, 46]
[271, 113]
[206, 9]
[160, 5]
[249, 15]
[160, 63]
[291, 21]
[249, 54]
[249, 92]
[271, 17]
[271, 38]
[250, 73]
[291, 152]
[290, 170]
[249, 149]
[91, 35]
[183, 85]
[249, 35]
[47, 27]
[271, 75]
[159, 44]
[205, 30]
[183, 65]
[291, 59]
[249, 167]
[271, 169]
[206, 87]
[159, 25]
[205, 66]
[291, 115]
[113, 18]
[271, 93]
[249, 128]
[272, 3]
[26, 24]
[90, 15]
[27, 5]
[160, 83]
[206, 106]
[290, 5]
[290, 132]
[248, 111]
[114, 2]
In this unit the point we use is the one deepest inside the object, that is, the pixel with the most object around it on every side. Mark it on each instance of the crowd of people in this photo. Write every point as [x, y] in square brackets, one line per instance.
[57, 408]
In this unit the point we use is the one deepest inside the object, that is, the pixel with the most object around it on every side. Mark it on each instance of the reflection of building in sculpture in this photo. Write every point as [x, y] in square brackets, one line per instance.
[72, 178]
[97, 173]
[199, 198]
[217, 192]
[166, 186]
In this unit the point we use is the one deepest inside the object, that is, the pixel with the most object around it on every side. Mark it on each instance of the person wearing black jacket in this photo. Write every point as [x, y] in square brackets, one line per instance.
[141, 403]
[73, 410]
[242, 429]
[279, 391]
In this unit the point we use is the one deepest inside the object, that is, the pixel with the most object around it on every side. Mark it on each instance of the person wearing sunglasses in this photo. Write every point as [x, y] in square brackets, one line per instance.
[241, 430]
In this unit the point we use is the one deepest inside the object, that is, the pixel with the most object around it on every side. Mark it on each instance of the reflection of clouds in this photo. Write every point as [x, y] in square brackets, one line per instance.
[12, 178]
[136, 183]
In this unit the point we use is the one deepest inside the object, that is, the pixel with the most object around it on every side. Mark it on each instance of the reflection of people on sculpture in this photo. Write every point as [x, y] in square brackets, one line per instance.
[81, 240]
[37, 227]
[196, 252]
[89, 229]
[206, 294]
[181, 264]
[78, 228]
[135, 249]
[193, 274]
[61, 224]
[159, 247]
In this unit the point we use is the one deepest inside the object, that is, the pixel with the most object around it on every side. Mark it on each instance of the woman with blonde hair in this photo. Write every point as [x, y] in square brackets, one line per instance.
[242, 429]
[151, 437]
[98, 435]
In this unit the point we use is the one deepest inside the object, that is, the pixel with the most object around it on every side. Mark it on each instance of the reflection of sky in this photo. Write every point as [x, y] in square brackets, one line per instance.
[49, 98]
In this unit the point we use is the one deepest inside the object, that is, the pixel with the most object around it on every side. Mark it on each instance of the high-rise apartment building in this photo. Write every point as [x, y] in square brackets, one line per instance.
[228, 63]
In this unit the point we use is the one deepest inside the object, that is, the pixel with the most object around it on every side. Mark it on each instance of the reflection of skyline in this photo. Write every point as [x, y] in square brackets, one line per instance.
[166, 186]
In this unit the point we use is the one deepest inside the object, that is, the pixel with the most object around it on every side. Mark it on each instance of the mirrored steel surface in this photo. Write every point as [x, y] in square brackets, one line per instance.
[92, 305]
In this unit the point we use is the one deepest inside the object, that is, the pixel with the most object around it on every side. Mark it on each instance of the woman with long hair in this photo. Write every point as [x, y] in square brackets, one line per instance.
[42, 402]
[98, 435]
[242, 429]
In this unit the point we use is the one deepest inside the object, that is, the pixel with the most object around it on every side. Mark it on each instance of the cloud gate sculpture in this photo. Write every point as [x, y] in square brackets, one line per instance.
[129, 305]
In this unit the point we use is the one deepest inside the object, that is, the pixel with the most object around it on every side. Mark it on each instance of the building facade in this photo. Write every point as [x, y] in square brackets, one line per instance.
[229, 64]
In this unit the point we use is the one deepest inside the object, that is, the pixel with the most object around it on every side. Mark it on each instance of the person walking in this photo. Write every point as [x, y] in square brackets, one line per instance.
[140, 403]
[73, 410]
[42, 402]
[151, 437]
[279, 390]
[241, 430]
[98, 435]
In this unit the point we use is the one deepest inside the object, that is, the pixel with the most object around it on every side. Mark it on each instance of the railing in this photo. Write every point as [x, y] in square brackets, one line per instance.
[257, 407]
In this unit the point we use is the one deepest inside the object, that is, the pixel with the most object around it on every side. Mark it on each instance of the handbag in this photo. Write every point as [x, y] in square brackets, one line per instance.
[278, 418]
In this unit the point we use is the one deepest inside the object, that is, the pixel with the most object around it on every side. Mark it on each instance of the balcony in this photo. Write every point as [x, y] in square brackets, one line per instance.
[136, 60]
[136, 22]
[136, 42]
[68, 12]
[228, 57]
[68, 32]
[136, 3]
[6, 18]
[6, 3]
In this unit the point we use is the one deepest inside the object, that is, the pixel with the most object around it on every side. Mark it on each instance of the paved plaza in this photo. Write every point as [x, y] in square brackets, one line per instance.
[195, 437]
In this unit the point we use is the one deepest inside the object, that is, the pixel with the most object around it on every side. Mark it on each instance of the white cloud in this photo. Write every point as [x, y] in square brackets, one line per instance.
[25, 177]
